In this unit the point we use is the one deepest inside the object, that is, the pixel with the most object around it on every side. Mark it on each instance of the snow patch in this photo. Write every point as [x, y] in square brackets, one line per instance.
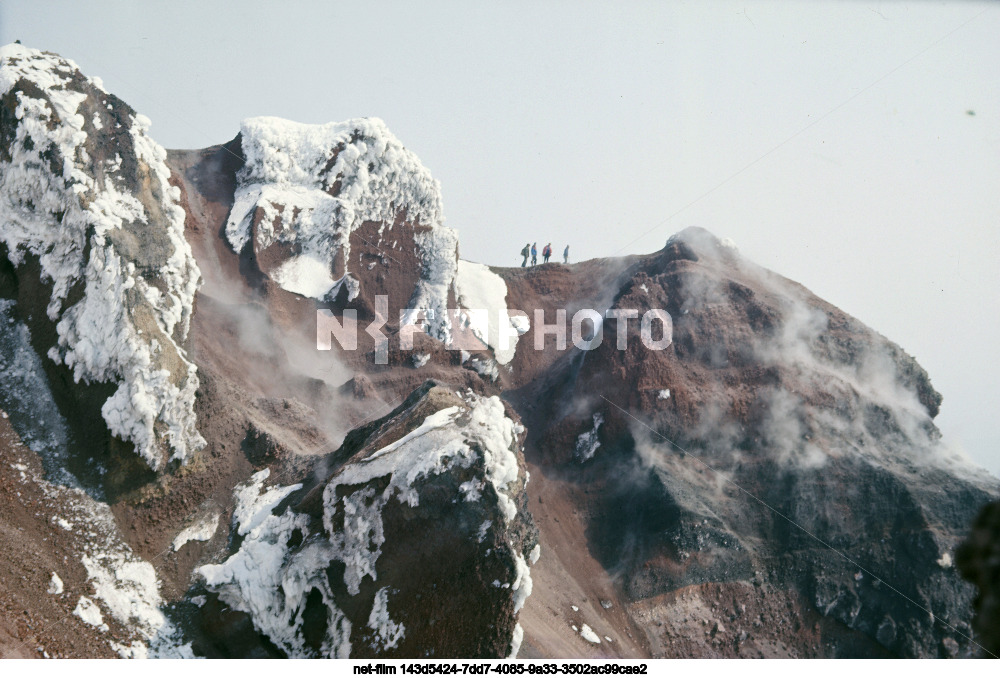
[202, 530]
[253, 505]
[663, 395]
[587, 443]
[588, 634]
[126, 586]
[522, 582]
[305, 276]
[945, 560]
[479, 288]
[129, 589]
[485, 367]
[88, 611]
[55, 585]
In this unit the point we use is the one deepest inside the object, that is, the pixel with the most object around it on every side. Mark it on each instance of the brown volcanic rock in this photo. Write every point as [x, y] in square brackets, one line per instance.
[774, 397]
[34, 622]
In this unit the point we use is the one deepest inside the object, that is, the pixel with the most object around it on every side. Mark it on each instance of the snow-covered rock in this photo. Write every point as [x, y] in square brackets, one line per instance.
[431, 494]
[306, 190]
[86, 203]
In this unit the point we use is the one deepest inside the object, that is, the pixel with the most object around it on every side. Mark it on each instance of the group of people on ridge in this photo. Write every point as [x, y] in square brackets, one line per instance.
[532, 250]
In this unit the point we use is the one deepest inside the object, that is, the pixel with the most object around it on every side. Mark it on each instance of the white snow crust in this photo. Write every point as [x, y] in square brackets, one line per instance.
[253, 504]
[65, 212]
[387, 632]
[522, 582]
[587, 443]
[589, 635]
[88, 611]
[125, 586]
[202, 530]
[306, 276]
[262, 581]
[55, 585]
[479, 288]
[515, 641]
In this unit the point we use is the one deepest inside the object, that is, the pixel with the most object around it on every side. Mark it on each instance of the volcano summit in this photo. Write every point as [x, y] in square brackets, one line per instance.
[678, 454]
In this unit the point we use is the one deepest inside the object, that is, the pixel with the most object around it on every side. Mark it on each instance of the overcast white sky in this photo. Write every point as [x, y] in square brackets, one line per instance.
[851, 146]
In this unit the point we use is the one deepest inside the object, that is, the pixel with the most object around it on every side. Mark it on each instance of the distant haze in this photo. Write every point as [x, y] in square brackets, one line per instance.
[853, 147]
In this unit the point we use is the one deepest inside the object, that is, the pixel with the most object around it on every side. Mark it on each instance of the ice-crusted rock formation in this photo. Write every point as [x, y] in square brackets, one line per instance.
[308, 193]
[417, 545]
[90, 220]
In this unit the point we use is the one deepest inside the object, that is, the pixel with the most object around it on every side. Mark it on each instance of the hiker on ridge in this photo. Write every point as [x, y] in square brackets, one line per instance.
[534, 254]
[566, 255]
[546, 253]
[524, 253]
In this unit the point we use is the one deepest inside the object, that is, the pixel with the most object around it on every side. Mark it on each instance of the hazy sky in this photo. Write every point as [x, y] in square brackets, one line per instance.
[851, 146]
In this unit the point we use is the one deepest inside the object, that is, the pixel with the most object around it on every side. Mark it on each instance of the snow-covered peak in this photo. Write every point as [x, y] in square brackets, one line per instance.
[85, 192]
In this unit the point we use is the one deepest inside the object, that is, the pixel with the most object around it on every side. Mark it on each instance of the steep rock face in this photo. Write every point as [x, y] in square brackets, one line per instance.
[91, 224]
[775, 440]
[417, 545]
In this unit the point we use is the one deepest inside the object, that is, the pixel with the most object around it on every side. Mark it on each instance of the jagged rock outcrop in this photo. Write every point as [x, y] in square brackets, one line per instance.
[92, 247]
[417, 545]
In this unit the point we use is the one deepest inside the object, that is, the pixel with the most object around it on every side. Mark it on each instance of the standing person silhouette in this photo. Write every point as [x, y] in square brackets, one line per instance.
[566, 255]
[546, 253]
[534, 254]
[524, 253]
